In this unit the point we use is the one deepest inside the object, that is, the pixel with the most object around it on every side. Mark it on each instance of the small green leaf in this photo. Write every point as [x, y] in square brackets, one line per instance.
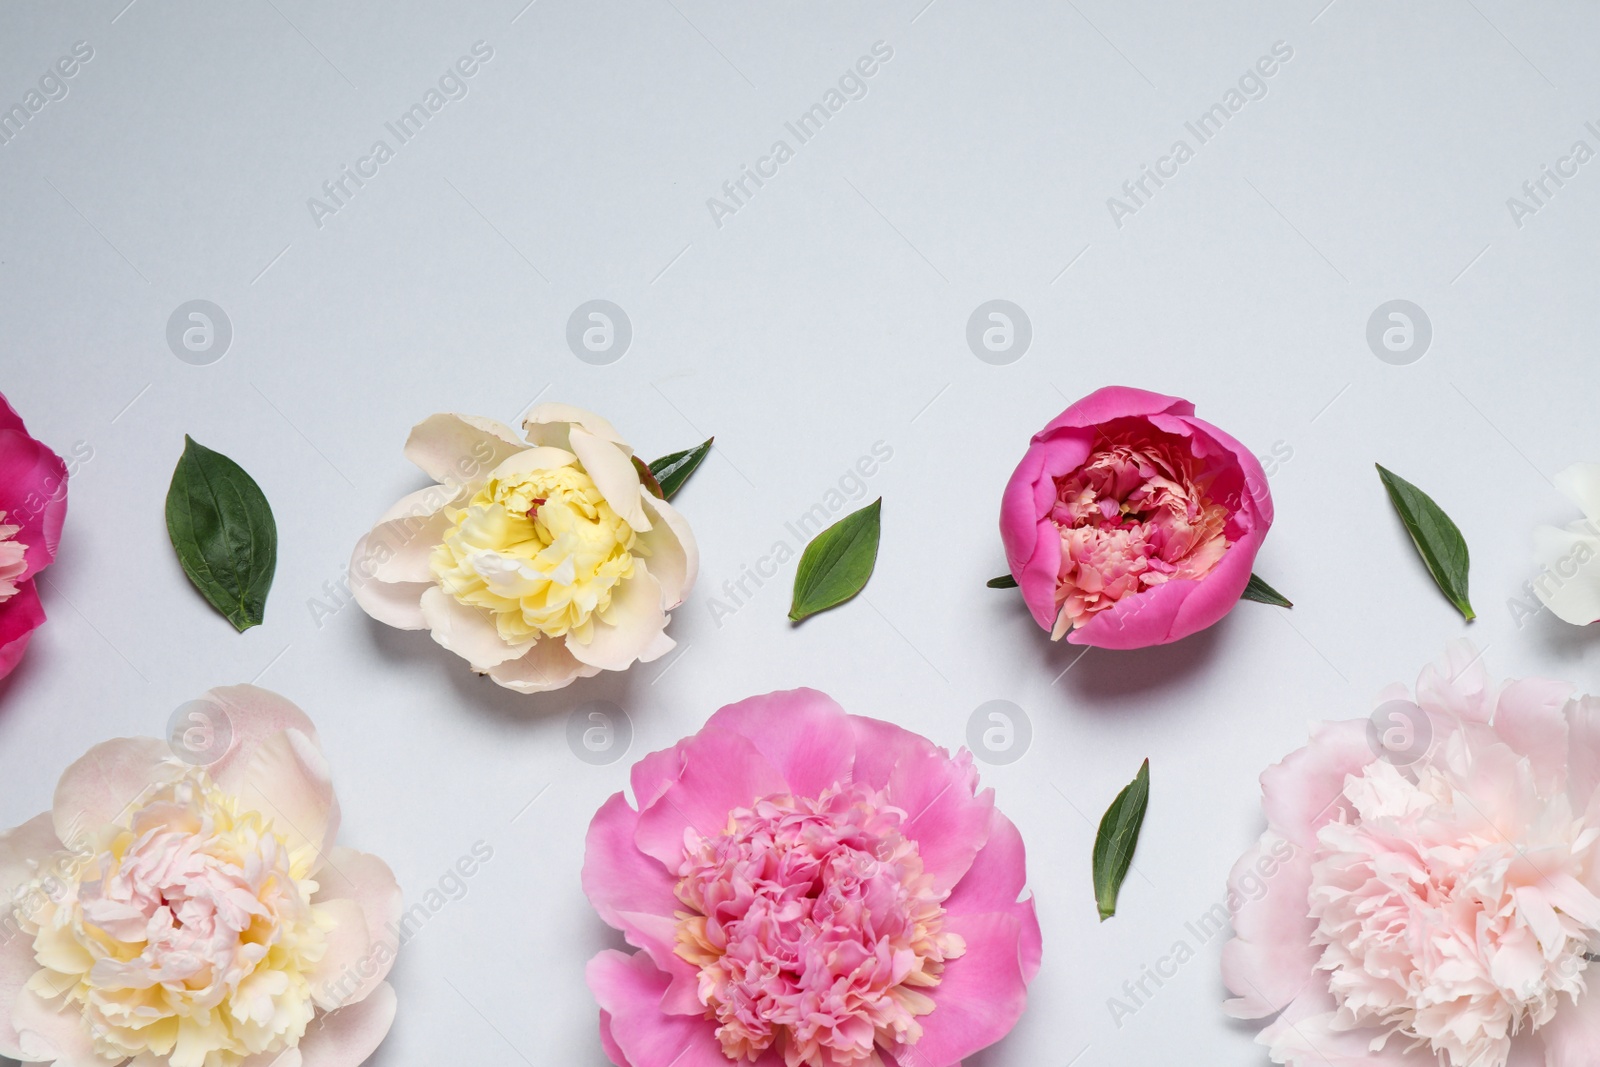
[1005, 581]
[222, 529]
[647, 479]
[1116, 840]
[673, 470]
[837, 563]
[1438, 541]
[1262, 593]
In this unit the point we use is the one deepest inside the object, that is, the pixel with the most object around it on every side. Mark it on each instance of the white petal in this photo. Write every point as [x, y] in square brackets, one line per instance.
[1580, 483]
[455, 449]
[52, 1030]
[1574, 599]
[674, 556]
[550, 424]
[614, 475]
[634, 629]
[542, 458]
[286, 779]
[546, 666]
[468, 632]
[345, 1038]
[364, 880]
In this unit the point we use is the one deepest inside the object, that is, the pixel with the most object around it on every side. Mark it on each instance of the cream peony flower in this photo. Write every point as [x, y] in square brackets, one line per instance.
[184, 916]
[1569, 557]
[538, 561]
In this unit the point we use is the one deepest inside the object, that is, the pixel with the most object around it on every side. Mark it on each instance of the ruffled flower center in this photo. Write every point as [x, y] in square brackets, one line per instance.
[542, 551]
[1449, 918]
[190, 935]
[12, 564]
[814, 928]
[1136, 514]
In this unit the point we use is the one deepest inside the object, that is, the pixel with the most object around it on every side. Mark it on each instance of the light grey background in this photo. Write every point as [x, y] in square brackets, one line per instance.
[828, 313]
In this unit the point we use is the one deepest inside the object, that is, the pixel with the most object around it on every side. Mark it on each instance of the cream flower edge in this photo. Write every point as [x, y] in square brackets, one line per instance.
[394, 578]
[317, 998]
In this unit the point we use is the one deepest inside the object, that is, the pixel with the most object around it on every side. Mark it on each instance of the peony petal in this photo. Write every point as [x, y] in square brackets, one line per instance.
[1271, 958]
[1530, 716]
[1573, 1036]
[945, 814]
[982, 994]
[335, 978]
[996, 877]
[19, 617]
[529, 460]
[287, 780]
[629, 989]
[802, 733]
[104, 783]
[674, 557]
[1583, 751]
[1569, 571]
[551, 424]
[52, 1031]
[614, 474]
[613, 1050]
[397, 604]
[1580, 483]
[468, 632]
[398, 547]
[547, 665]
[1306, 789]
[33, 494]
[253, 715]
[1032, 543]
[655, 772]
[630, 630]
[721, 771]
[365, 882]
[454, 449]
[1457, 686]
[619, 880]
[345, 1038]
[17, 966]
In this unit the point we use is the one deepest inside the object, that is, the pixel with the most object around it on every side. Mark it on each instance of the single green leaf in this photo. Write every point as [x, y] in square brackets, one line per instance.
[673, 470]
[837, 563]
[1117, 838]
[1005, 581]
[647, 478]
[1438, 541]
[222, 529]
[1262, 593]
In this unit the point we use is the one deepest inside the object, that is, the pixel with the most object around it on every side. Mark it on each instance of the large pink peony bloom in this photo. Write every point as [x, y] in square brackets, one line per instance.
[33, 505]
[177, 915]
[1130, 522]
[1441, 912]
[807, 887]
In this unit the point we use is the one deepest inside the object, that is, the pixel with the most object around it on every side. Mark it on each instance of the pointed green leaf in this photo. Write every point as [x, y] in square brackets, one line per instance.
[837, 563]
[1005, 581]
[1262, 593]
[222, 529]
[1438, 541]
[647, 478]
[673, 470]
[1117, 838]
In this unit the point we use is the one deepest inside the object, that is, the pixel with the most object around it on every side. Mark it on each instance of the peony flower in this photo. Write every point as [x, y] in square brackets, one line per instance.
[807, 887]
[1436, 913]
[178, 915]
[537, 561]
[1569, 579]
[33, 505]
[1130, 522]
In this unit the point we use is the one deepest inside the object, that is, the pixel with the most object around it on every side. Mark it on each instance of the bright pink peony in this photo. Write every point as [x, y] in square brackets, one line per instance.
[807, 887]
[33, 505]
[1437, 913]
[1130, 522]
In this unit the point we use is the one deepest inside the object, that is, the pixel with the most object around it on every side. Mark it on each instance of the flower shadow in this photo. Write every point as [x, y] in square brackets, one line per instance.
[1096, 674]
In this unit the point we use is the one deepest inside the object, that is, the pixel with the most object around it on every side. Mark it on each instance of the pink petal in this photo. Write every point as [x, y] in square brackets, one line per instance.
[33, 494]
[16, 967]
[947, 818]
[1305, 1036]
[653, 774]
[253, 714]
[801, 732]
[621, 882]
[96, 790]
[629, 989]
[288, 781]
[345, 1038]
[1457, 687]
[52, 1030]
[24, 850]
[1030, 538]
[613, 1050]
[721, 771]
[1583, 750]
[1572, 1038]
[994, 881]
[1270, 959]
[19, 617]
[366, 883]
[1306, 790]
[982, 994]
[1531, 717]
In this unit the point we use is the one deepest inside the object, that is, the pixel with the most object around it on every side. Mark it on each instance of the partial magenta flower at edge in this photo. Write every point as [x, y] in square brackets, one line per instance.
[807, 887]
[1130, 522]
[1434, 902]
[33, 505]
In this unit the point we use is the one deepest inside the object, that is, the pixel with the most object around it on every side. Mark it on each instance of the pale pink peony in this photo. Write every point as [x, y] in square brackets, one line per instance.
[807, 887]
[33, 506]
[1438, 914]
[1130, 522]
[187, 916]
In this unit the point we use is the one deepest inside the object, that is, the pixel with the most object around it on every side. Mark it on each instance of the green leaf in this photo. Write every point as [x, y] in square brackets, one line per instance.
[1262, 593]
[222, 529]
[1116, 840]
[837, 563]
[673, 470]
[1005, 581]
[1438, 541]
[647, 479]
